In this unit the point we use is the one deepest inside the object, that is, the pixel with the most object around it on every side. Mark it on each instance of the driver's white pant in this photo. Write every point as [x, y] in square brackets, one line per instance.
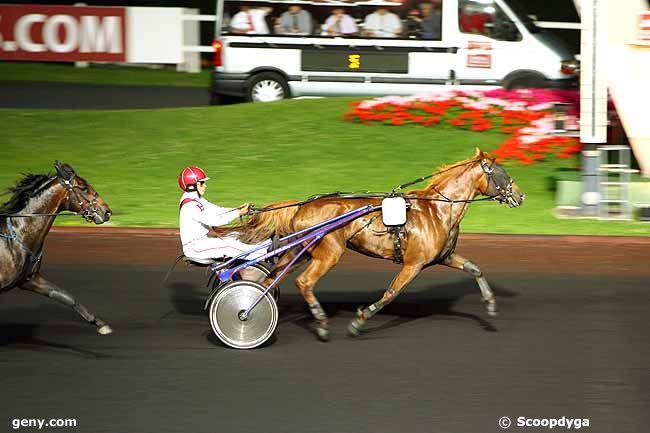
[216, 248]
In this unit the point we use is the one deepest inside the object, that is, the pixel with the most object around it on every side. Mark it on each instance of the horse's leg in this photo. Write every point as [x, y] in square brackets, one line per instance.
[324, 257]
[405, 276]
[278, 268]
[40, 285]
[282, 263]
[458, 262]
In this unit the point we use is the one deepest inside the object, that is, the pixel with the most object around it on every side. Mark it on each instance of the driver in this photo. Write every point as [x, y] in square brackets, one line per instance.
[197, 215]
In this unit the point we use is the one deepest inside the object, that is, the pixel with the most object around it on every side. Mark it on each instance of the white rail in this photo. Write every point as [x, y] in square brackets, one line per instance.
[198, 49]
[558, 25]
[190, 46]
[199, 18]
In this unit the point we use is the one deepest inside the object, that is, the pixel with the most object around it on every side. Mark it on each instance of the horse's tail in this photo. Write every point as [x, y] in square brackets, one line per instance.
[264, 225]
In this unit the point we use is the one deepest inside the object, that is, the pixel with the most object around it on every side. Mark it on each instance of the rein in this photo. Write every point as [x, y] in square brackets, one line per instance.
[31, 215]
[393, 193]
[88, 211]
[364, 194]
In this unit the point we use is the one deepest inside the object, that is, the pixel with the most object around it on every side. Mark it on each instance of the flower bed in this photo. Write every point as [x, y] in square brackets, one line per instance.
[524, 115]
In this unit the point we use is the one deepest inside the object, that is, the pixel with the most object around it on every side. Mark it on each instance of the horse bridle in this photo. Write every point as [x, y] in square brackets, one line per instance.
[88, 213]
[88, 207]
[504, 193]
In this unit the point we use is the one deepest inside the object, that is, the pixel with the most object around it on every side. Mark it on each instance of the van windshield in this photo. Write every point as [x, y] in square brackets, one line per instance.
[522, 15]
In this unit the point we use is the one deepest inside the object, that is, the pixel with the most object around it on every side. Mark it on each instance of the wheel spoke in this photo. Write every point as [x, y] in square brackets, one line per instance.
[267, 91]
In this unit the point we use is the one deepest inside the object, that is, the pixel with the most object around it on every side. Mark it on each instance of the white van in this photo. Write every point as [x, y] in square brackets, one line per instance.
[267, 50]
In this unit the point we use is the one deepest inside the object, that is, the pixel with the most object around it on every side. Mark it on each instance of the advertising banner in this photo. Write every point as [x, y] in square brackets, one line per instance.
[63, 33]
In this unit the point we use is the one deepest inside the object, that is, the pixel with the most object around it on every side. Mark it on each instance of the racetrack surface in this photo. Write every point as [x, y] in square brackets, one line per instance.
[98, 96]
[572, 340]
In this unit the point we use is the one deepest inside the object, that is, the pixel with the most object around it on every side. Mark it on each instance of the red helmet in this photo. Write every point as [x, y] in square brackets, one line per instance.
[191, 176]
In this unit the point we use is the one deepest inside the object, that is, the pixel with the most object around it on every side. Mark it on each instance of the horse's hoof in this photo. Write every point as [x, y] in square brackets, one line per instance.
[492, 309]
[353, 329]
[321, 330]
[105, 330]
[323, 334]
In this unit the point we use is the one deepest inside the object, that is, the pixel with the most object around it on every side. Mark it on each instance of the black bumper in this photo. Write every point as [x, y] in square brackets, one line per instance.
[229, 84]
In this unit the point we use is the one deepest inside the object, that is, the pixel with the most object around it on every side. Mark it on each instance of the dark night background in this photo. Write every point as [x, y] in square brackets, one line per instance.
[546, 10]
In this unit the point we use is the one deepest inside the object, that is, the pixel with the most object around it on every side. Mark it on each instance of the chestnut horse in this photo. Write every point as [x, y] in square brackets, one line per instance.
[25, 221]
[429, 235]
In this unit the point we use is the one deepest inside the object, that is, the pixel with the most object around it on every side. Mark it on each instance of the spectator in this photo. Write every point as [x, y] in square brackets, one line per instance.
[225, 24]
[250, 21]
[431, 20]
[412, 22]
[295, 21]
[340, 24]
[382, 24]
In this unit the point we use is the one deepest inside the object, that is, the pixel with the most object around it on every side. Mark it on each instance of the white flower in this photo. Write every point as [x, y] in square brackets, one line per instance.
[529, 139]
[541, 107]
[478, 105]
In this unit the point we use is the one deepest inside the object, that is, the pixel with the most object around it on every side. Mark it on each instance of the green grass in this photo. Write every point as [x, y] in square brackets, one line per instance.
[121, 75]
[262, 153]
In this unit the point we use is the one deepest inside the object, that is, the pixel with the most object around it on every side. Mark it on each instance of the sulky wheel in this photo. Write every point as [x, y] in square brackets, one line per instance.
[257, 272]
[225, 315]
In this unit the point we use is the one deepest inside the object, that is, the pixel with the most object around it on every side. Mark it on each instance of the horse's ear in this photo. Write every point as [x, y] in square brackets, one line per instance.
[59, 168]
[479, 153]
[69, 169]
[63, 170]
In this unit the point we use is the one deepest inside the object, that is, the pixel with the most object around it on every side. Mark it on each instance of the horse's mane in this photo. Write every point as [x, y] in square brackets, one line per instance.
[23, 191]
[445, 172]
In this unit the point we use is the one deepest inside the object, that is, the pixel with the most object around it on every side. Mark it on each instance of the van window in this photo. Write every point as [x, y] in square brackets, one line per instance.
[484, 17]
[413, 19]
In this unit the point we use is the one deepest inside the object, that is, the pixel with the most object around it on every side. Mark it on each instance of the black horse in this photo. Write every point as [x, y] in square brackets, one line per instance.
[26, 219]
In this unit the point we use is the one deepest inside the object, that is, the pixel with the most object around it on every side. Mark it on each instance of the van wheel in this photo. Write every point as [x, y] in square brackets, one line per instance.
[267, 87]
[525, 80]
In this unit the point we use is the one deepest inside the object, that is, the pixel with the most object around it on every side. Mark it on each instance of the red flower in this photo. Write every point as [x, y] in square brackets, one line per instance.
[432, 121]
[433, 109]
[481, 124]
[479, 127]
[468, 115]
[509, 129]
[508, 122]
